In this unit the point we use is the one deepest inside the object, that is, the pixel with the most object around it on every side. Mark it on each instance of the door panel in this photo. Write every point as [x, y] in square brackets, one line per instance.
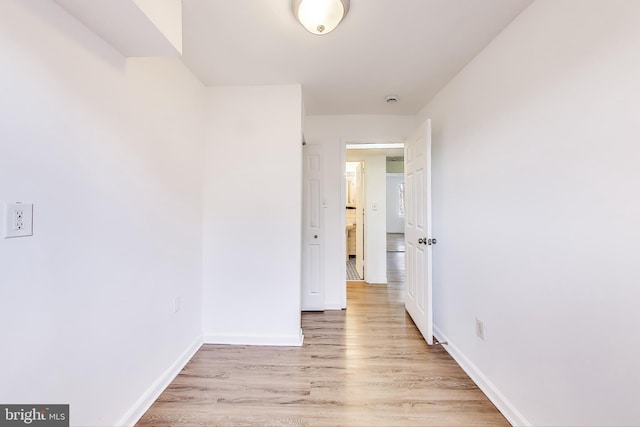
[313, 293]
[313, 193]
[410, 214]
[419, 201]
[418, 300]
[410, 253]
[313, 255]
[420, 279]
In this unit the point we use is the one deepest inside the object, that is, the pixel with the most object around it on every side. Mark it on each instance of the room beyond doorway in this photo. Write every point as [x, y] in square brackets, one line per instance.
[374, 202]
[355, 219]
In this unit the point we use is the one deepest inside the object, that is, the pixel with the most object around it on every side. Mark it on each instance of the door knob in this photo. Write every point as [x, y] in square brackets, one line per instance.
[315, 236]
[427, 242]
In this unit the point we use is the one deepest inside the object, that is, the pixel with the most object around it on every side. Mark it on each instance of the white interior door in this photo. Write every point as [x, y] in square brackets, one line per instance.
[313, 293]
[360, 220]
[418, 239]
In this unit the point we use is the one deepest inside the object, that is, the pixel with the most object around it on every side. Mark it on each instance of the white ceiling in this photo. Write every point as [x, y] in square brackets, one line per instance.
[411, 48]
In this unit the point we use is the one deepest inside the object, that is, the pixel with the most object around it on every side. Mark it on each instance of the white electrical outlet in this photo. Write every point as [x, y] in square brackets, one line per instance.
[176, 304]
[480, 328]
[18, 220]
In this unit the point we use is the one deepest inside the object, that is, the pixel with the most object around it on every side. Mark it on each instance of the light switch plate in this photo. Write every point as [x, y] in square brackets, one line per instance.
[18, 220]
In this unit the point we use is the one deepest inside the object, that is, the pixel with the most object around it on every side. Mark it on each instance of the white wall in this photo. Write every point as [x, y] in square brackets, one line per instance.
[334, 132]
[109, 151]
[395, 222]
[535, 204]
[252, 215]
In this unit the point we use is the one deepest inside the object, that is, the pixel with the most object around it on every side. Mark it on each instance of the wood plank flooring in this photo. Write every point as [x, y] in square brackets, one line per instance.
[364, 366]
[395, 242]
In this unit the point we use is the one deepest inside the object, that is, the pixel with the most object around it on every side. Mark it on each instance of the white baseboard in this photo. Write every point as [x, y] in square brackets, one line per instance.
[146, 400]
[334, 307]
[377, 281]
[274, 340]
[488, 388]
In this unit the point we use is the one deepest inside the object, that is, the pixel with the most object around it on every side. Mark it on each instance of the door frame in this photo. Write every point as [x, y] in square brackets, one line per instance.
[361, 206]
[343, 201]
[343, 220]
[358, 206]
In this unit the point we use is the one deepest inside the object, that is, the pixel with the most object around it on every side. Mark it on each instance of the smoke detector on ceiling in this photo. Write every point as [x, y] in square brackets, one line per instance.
[391, 99]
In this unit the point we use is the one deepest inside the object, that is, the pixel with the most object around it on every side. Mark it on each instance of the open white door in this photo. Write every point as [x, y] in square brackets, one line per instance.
[312, 295]
[418, 239]
[360, 220]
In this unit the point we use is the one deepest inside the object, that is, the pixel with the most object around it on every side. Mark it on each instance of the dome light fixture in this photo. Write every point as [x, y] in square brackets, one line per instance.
[320, 16]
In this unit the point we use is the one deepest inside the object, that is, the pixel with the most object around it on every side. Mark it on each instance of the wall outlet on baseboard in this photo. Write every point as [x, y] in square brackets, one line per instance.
[480, 328]
[176, 304]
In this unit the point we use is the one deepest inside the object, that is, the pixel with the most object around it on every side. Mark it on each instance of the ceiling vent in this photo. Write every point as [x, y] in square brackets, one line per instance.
[391, 99]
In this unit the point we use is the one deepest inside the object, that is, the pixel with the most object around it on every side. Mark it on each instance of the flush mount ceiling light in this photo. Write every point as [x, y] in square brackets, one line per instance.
[320, 16]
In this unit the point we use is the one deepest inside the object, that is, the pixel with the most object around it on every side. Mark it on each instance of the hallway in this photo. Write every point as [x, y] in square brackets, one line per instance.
[396, 265]
[395, 260]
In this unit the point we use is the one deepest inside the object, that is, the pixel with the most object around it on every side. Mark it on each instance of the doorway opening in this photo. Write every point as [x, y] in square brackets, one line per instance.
[374, 213]
[396, 264]
[354, 217]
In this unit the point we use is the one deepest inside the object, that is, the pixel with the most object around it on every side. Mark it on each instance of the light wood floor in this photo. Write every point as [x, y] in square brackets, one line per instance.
[365, 366]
